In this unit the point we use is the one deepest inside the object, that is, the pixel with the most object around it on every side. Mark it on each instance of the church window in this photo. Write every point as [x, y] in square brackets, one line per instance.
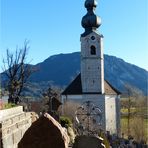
[93, 50]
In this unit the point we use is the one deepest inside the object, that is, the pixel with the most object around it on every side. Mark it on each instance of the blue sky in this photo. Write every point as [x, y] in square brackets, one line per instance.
[54, 27]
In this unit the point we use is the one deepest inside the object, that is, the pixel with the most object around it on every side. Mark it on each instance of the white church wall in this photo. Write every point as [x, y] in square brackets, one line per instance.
[118, 116]
[111, 113]
[108, 104]
[75, 98]
[98, 100]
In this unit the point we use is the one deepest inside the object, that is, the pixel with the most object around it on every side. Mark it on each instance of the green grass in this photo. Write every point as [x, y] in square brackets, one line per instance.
[9, 105]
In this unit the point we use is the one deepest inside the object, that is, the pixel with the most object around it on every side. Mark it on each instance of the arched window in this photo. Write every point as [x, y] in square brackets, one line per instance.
[93, 50]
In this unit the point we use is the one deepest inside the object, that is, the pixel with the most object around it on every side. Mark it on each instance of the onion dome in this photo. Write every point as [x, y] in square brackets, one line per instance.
[90, 4]
[90, 22]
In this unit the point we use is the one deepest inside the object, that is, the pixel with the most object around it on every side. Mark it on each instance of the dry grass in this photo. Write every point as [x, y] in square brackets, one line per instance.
[138, 128]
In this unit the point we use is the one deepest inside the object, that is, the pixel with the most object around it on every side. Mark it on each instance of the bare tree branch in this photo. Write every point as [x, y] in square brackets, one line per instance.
[17, 72]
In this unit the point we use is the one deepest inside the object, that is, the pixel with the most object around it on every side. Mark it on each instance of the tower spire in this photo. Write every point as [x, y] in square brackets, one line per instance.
[90, 22]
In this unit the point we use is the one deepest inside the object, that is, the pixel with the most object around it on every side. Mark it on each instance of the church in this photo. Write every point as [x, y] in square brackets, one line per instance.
[90, 84]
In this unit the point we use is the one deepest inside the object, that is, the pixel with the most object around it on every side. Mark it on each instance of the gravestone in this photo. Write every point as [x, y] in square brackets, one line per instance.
[88, 142]
[46, 132]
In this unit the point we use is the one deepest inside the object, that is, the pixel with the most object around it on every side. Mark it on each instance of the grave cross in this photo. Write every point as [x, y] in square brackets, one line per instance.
[88, 118]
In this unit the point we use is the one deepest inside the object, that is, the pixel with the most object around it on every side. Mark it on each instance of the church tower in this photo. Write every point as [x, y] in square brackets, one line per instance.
[90, 84]
[92, 61]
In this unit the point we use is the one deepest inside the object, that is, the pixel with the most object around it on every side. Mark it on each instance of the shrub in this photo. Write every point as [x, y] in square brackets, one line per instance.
[9, 105]
[65, 122]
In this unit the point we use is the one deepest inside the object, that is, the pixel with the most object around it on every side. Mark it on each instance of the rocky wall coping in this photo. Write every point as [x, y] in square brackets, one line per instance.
[7, 113]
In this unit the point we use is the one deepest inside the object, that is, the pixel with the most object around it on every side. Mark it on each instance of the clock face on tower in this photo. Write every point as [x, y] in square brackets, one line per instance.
[93, 38]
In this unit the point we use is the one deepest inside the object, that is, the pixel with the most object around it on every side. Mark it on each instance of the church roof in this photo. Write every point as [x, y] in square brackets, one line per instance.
[75, 87]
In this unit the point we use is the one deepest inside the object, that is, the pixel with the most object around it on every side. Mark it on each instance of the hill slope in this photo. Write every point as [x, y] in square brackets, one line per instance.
[62, 68]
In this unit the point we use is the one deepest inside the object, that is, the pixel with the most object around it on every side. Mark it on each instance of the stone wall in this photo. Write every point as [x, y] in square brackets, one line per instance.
[13, 124]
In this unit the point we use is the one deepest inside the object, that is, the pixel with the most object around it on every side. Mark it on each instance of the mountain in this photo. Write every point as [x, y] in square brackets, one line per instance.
[58, 68]
[61, 69]
[118, 73]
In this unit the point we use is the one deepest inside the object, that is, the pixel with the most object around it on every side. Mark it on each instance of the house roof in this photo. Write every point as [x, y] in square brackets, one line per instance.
[75, 87]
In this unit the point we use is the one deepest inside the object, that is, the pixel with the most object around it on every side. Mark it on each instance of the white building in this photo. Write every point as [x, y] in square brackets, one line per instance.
[90, 85]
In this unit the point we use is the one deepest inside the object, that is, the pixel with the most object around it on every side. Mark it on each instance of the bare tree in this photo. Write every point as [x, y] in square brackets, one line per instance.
[129, 106]
[140, 131]
[51, 101]
[69, 109]
[132, 96]
[17, 72]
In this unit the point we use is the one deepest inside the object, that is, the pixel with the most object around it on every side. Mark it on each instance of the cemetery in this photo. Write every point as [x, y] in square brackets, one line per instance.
[86, 114]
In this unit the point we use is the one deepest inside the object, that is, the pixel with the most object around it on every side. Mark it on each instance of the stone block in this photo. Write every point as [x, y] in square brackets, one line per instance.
[17, 136]
[15, 119]
[7, 141]
[22, 116]
[6, 122]
[21, 123]
[23, 130]
[6, 113]
[6, 131]
[13, 127]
